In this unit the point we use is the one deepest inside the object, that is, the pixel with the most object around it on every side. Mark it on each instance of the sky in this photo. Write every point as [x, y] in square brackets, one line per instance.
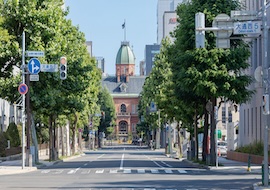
[101, 22]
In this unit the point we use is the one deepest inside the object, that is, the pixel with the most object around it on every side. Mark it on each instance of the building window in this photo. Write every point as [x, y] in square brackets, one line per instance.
[223, 115]
[123, 108]
[133, 108]
[123, 126]
[133, 127]
[230, 116]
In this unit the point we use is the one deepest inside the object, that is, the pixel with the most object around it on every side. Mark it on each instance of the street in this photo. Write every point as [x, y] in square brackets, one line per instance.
[126, 169]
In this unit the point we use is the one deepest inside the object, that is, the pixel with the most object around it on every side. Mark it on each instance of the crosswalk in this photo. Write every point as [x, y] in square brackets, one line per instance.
[114, 171]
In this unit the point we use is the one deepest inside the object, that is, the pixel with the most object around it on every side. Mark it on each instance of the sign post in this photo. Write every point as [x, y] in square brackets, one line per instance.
[23, 100]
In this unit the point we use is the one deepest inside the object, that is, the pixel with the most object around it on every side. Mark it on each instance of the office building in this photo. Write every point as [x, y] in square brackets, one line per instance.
[89, 47]
[100, 61]
[169, 23]
[150, 52]
[162, 7]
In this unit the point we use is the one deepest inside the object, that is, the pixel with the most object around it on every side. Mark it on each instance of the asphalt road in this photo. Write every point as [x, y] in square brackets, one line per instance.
[127, 169]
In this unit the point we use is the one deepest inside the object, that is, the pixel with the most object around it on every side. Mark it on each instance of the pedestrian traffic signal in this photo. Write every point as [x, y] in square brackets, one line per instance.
[265, 104]
[63, 68]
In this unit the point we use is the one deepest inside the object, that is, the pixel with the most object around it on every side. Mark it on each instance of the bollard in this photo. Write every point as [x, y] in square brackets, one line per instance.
[249, 160]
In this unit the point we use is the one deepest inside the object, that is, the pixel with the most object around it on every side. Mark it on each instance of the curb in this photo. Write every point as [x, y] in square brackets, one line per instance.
[58, 161]
[196, 164]
[258, 186]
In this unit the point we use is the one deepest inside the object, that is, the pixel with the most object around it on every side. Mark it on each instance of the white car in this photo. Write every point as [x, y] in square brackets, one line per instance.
[222, 148]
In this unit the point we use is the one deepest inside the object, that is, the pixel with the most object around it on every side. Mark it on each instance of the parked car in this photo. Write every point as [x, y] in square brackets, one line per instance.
[222, 148]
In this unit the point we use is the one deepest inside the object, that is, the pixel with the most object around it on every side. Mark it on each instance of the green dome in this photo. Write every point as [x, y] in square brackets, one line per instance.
[125, 55]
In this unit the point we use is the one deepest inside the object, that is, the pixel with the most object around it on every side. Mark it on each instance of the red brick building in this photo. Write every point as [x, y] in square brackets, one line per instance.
[125, 89]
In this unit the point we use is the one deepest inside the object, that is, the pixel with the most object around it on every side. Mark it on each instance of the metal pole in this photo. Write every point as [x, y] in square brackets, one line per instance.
[216, 145]
[216, 136]
[265, 78]
[23, 101]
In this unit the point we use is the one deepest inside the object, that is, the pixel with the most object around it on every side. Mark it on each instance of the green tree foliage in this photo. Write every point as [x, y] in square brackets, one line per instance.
[208, 73]
[13, 135]
[9, 49]
[48, 30]
[107, 108]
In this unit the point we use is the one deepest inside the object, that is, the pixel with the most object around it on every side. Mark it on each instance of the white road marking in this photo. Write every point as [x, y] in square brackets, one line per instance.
[141, 171]
[154, 171]
[99, 171]
[86, 172]
[101, 156]
[58, 171]
[154, 162]
[45, 171]
[127, 171]
[182, 171]
[168, 171]
[166, 164]
[73, 171]
[122, 162]
[113, 171]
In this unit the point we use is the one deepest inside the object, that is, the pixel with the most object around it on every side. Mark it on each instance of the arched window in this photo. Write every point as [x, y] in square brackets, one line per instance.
[123, 108]
[123, 126]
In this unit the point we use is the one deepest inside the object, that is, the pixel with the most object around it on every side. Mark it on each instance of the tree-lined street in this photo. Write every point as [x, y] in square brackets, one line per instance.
[128, 168]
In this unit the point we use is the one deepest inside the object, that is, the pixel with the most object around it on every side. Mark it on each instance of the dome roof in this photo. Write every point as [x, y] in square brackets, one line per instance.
[125, 55]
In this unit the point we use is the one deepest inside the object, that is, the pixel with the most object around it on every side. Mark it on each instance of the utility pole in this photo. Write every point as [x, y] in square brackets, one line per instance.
[265, 79]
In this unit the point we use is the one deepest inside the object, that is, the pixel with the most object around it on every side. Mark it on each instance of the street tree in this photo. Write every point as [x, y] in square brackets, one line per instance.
[209, 72]
[108, 113]
[48, 30]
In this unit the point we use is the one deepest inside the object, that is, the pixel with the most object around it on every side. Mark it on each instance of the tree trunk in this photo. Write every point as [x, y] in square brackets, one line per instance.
[212, 133]
[55, 155]
[74, 126]
[51, 138]
[196, 135]
[205, 150]
[179, 140]
[63, 141]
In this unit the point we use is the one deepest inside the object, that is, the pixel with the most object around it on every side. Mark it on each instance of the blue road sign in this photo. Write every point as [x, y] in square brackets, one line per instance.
[23, 88]
[34, 66]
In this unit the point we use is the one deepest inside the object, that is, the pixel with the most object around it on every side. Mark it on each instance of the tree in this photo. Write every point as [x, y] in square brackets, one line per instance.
[108, 113]
[13, 135]
[209, 73]
[48, 30]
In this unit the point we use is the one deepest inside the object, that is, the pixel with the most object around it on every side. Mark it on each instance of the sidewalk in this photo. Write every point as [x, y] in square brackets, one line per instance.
[15, 166]
[226, 165]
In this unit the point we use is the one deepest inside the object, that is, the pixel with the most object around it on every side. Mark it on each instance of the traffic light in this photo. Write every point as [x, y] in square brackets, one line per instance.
[63, 68]
[265, 104]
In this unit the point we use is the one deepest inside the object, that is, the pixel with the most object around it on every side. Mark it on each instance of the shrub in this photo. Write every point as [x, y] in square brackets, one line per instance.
[253, 148]
[3, 144]
[13, 135]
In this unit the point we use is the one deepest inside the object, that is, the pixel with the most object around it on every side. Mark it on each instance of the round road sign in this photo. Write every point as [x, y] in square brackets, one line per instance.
[23, 88]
